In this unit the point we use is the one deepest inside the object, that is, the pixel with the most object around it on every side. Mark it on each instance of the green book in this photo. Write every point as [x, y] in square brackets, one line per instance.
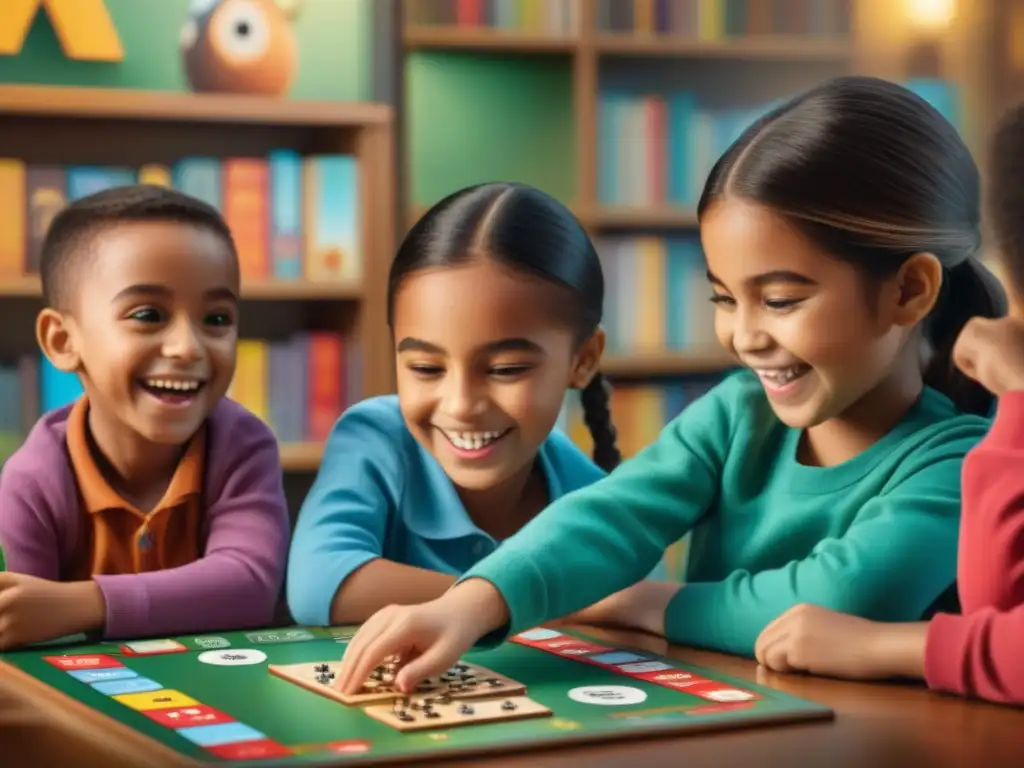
[3, 562]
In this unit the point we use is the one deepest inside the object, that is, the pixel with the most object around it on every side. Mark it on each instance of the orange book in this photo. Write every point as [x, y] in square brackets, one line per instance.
[246, 210]
[13, 217]
[326, 383]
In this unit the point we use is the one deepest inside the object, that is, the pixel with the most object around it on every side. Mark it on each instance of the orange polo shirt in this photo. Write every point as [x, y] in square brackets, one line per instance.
[122, 539]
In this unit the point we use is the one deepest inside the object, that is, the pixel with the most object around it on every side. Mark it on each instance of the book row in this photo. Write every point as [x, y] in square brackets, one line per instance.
[291, 216]
[657, 297]
[299, 386]
[658, 148]
[553, 17]
[717, 19]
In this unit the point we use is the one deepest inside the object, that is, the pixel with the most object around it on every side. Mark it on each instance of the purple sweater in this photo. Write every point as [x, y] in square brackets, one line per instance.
[236, 582]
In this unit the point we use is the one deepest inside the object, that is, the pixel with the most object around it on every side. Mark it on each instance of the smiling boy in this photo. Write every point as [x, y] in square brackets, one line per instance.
[153, 504]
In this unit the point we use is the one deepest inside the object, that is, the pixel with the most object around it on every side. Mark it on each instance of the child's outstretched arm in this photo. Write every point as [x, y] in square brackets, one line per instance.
[236, 582]
[337, 572]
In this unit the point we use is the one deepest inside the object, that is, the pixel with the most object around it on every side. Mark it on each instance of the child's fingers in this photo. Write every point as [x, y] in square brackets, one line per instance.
[776, 655]
[438, 658]
[353, 660]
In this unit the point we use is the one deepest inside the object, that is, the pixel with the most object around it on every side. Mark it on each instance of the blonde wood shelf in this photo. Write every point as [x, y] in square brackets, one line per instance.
[483, 39]
[28, 286]
[43, 100]
[301, 457]
[660, 364]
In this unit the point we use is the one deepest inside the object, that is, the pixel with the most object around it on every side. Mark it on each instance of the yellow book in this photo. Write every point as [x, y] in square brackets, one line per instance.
[710, 20]
[154, 173]
[13, 217]
[650, 299]
[250, 383]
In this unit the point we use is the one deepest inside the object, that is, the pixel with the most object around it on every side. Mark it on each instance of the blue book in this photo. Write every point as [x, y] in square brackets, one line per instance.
[56, 388]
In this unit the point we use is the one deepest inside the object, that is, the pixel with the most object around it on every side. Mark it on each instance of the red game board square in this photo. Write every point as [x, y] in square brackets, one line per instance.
[573, 647]
[186, 717]
[671, 678]
[260, 749]
[84, 661]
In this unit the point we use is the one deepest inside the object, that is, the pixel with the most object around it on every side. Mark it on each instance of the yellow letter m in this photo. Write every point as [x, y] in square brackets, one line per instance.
[83, 27]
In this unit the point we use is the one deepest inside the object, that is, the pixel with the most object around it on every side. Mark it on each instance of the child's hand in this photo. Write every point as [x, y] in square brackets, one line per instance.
[808, 638]
[427, 639]
[34, 610]
[992, 353]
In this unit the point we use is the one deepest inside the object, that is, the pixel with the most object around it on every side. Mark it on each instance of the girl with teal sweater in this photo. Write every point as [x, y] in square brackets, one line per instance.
[840, 232]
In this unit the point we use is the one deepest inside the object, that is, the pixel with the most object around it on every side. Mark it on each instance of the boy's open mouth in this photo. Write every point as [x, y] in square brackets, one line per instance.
[172, 391]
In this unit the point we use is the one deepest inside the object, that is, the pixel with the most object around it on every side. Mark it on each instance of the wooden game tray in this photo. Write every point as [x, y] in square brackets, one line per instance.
[488, 683]
[412, 714]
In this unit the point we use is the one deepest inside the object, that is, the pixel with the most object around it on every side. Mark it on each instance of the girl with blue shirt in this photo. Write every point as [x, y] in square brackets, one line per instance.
[840, 233]
[494, 303]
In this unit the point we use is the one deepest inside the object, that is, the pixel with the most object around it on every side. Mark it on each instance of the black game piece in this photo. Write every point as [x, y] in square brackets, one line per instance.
[509, 705]
[494, 682]
[465, 709]
[431, 713]
[321, 668]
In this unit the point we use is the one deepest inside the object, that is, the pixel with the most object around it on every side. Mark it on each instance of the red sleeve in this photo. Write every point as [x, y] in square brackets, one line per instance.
[978, 653]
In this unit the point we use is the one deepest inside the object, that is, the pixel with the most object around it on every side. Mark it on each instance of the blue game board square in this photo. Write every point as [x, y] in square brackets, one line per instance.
[616, 657]
[102, 675]
[128, 685]
[541, 633]
[222, 733]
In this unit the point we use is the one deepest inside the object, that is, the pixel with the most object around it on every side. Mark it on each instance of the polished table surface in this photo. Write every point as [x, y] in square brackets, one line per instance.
[876, 725]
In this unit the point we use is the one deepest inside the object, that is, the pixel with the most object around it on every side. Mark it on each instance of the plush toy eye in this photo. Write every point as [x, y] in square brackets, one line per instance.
[241, 30]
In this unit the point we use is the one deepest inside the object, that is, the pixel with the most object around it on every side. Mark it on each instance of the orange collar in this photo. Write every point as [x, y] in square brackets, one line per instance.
[97, 493]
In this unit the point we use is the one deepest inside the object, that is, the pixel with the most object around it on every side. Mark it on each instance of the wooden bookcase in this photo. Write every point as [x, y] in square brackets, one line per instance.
[587, 53]
[82, 126]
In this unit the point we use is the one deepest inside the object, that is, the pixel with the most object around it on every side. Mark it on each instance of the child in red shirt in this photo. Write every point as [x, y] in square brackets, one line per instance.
[976, 654]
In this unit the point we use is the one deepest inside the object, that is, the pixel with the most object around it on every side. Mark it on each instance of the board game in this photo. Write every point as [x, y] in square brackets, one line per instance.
[266, 698]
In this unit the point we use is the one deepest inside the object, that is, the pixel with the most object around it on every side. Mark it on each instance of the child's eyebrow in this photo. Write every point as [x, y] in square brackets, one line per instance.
[222, 293]
[410, 344]
[768, 278]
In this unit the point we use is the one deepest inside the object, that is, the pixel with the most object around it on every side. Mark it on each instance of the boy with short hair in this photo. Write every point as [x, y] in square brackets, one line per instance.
[976, 654]
[153, 505]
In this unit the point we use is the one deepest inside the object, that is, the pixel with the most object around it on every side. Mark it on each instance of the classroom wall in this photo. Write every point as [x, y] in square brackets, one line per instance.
[334, 41]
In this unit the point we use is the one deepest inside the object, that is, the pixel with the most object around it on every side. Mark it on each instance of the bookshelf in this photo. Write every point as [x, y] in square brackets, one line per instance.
[46, 125]
[577, 42]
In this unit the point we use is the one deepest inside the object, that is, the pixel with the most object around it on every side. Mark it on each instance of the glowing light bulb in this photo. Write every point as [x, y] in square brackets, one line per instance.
[931, 15]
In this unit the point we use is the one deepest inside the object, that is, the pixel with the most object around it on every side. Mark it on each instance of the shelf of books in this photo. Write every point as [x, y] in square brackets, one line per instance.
[306, 189]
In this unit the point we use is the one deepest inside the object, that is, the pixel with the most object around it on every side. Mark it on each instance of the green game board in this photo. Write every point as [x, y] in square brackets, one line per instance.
[262, 720]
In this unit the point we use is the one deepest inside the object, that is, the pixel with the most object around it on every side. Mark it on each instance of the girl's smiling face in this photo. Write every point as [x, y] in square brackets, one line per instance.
[484, 356]
[819, 335]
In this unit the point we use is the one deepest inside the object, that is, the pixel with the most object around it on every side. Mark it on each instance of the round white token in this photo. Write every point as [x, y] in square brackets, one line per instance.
[608, 695]
[232, 657]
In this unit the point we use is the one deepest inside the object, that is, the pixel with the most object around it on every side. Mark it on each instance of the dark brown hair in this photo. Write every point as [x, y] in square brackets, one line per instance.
[873, 174]
[529, 232]
[65, 248]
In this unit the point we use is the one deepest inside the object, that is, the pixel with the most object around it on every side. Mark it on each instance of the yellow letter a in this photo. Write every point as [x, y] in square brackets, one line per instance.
[83, 27]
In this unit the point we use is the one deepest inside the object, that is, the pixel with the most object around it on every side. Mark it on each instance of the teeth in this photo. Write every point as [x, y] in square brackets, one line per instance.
[175, 385]
[472, 441]
[782, 375]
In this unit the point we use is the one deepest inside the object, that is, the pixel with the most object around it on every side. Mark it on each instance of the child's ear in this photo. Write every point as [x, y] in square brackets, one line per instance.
[56, 338]
[588, 359]
[919, 282]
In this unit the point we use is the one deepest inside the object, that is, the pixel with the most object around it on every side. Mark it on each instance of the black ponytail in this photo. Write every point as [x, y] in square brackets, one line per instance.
[969, 290]
[597, 415]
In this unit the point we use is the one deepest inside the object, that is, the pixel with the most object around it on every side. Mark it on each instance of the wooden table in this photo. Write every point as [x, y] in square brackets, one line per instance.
[876, 725]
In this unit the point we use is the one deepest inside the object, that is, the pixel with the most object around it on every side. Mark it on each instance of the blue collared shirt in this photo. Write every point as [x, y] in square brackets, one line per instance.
[379, 493]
